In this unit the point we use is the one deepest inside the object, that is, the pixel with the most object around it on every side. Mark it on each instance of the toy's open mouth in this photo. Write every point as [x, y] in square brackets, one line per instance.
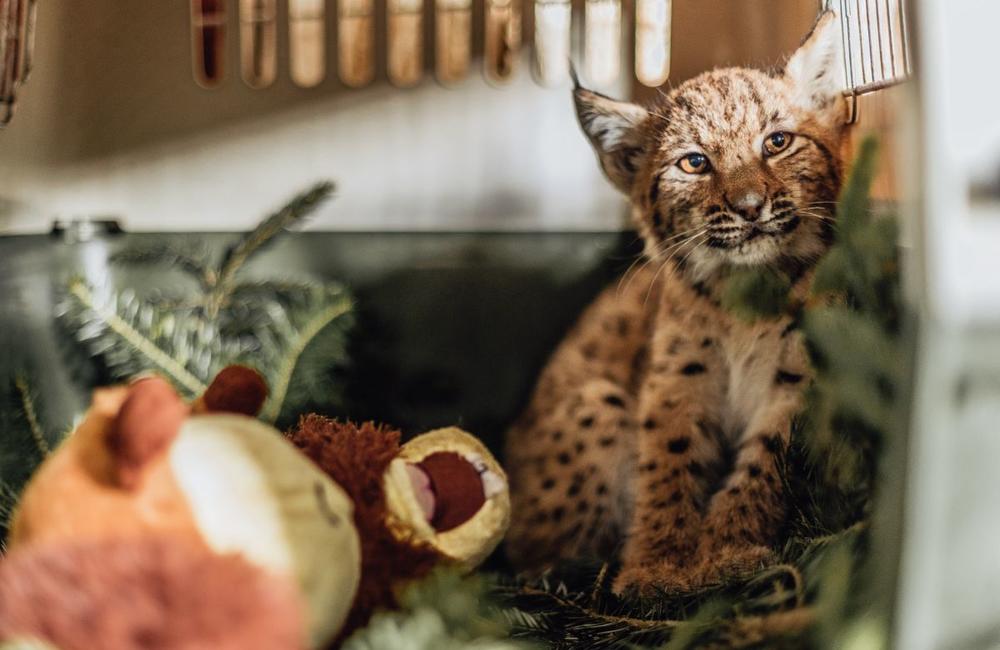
[449, 488]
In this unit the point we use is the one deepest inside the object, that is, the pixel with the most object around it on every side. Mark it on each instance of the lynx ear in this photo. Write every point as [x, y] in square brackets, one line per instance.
[614, 130]
[817, 68]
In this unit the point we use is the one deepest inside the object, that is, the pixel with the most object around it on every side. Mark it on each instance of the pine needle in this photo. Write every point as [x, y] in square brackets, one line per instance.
[294, 212]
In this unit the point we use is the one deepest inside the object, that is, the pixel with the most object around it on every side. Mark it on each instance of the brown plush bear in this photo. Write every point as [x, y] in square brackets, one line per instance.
[440, 498]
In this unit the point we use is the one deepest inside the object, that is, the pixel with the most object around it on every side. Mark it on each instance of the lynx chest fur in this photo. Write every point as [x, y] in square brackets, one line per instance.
[657, 430]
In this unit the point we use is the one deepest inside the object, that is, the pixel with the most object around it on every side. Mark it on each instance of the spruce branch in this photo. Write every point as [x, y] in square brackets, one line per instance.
[282, 377]
[138, 342]
[296, 211]
[194, 264]
[28, 408]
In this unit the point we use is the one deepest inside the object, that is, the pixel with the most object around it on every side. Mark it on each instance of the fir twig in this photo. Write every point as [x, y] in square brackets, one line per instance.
[195, 265]
[309, 331]
[28, 408]
[294, 212]
[137, 340]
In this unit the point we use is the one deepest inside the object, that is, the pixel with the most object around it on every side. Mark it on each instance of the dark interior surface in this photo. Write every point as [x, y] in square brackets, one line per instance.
[452, 327]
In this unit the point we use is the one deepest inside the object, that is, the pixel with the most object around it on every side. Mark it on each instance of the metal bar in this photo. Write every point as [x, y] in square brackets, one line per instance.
[892, 40]
[845, 28]
[872, 87]
[903, 32]
[871, 42]
[878, 30]
[861, 45]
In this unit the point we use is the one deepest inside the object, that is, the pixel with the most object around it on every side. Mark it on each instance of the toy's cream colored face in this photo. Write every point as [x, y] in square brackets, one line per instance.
[736, 166]
[253, 493]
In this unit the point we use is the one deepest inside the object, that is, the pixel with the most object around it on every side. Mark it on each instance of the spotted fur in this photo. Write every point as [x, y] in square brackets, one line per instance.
[657, 429]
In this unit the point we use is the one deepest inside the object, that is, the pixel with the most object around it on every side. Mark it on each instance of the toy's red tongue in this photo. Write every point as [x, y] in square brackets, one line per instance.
[458, 489]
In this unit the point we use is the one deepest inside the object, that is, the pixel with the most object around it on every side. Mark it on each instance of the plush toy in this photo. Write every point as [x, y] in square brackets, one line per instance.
[150, 499]
[440, 498]
[155, 592]
[143, 465]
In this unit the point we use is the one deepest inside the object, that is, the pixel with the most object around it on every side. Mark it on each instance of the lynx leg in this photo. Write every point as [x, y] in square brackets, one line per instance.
[678, 453]
[569, 477]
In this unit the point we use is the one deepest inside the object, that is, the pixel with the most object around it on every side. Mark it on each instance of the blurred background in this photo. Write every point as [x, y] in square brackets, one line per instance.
[113, 123]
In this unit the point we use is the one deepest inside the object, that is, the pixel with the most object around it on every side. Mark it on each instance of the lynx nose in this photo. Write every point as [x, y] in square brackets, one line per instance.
[749, 205]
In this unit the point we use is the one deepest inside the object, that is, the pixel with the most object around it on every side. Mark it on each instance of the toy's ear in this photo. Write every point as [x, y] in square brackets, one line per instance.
[146, 425]
[236, 389]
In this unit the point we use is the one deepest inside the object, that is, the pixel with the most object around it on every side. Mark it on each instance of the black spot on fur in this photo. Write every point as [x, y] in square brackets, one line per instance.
[607, 442]
[734, 490]
[558, 513]
[701, 289]
[557, 435]
[679, 445]
[693, 368]
[615, 401]
[579, 447]
[785, 377]
[602, 488]
[753, 469]
[772, 443]
[679, 522]
[548, 484]
[707, 342]
[573, 490]
[695, 469]
[563, 458]
[648, 467]
[649, 423]
[587, 422]
[582, 507]
[676, 497]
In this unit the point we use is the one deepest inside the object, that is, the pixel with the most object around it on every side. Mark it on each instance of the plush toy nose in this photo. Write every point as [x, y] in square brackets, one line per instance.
[236, 389]
[458, 489]
[147, 423]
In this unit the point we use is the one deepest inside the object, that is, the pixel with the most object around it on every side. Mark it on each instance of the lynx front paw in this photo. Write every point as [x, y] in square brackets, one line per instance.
[722, 564]
[655, 579]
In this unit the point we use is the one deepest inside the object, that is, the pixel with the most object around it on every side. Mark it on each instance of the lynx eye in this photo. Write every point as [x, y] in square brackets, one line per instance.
[694, 163]
[777, 142]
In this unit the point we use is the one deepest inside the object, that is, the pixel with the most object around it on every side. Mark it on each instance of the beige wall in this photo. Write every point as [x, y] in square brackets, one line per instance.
[113, 123]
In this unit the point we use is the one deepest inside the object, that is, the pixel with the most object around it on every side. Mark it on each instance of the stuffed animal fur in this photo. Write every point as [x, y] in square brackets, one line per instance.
[152, 510]
[156, 592]
[441, 498]
[143, 465]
